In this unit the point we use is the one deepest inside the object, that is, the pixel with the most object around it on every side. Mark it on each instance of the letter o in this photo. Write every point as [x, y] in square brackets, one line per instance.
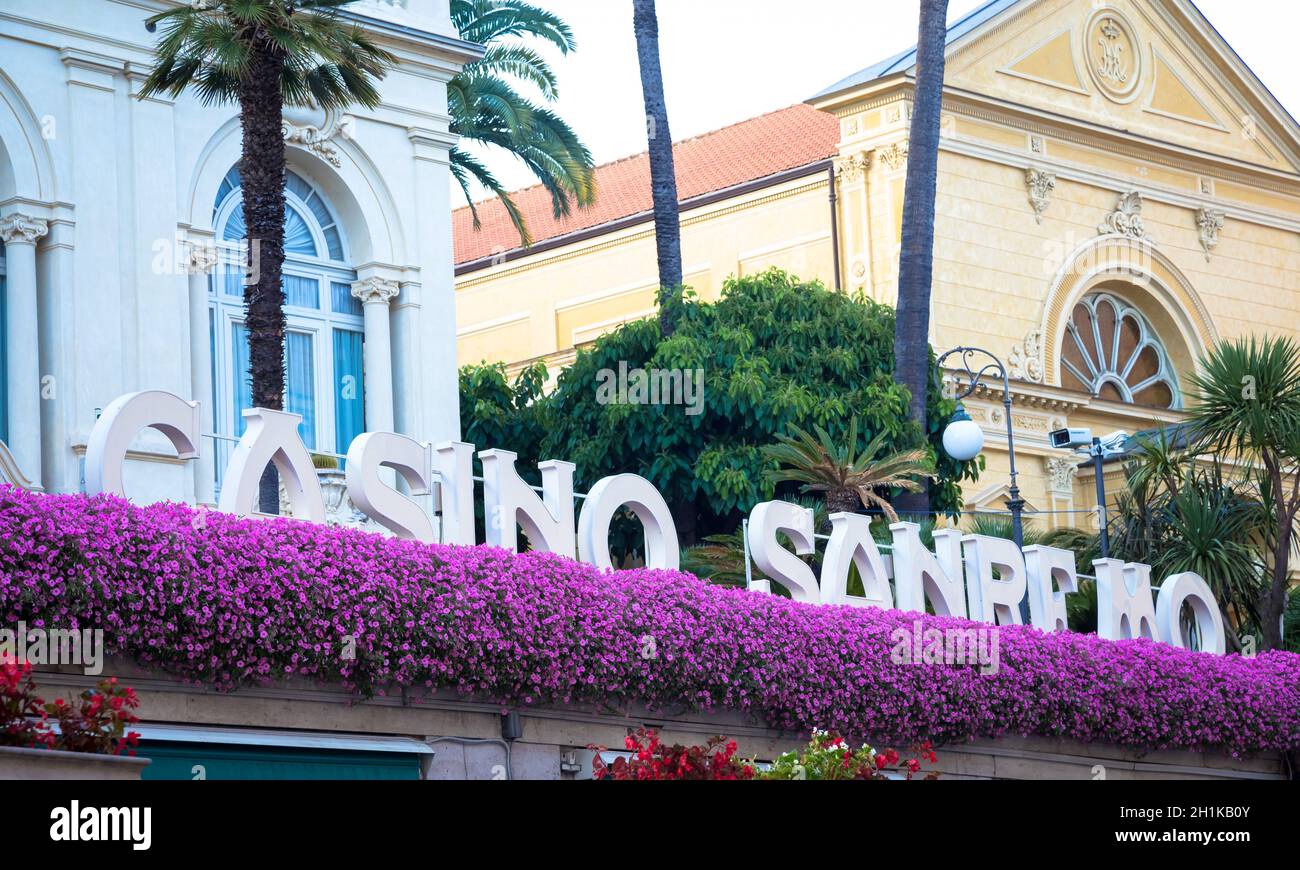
[638, 494]
[1189, 587]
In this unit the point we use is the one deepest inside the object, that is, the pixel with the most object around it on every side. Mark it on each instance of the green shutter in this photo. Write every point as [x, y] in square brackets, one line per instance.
[177, 760]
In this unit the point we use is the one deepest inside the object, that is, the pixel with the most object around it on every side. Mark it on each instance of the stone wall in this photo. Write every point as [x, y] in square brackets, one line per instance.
[466, 736]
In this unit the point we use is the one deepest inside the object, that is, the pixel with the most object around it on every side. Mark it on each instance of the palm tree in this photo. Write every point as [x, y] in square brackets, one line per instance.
[916, 260]
[486, 108]
[847, 478]
[264, 55]
[1246, 403]
[663, 175]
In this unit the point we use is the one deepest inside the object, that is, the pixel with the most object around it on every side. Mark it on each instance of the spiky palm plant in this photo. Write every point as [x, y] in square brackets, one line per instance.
[1246, 403]
[265, 55]
[486, 107]
[847, 478]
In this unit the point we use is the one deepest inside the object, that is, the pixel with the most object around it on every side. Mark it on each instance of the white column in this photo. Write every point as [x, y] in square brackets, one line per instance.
[375, 294]
[200, 260]
[20, 233]
[437, 406]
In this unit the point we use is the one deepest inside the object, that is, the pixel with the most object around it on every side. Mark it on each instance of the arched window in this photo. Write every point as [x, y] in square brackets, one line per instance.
[324, 381]
[1111, 351]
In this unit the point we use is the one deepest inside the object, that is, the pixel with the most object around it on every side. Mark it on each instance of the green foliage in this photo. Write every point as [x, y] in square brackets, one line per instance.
[774, 351]
[487, 108]
[329, 62]
[847, 478]
[1188, 512]
[1246, 404]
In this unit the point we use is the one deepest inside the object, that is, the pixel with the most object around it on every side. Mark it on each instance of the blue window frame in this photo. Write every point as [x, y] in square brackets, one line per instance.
[323, 344]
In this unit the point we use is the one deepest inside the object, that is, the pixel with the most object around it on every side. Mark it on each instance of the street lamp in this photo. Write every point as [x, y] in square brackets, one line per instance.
[963, 439]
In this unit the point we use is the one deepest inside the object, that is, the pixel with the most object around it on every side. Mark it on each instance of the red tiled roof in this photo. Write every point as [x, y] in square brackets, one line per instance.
[771, 143]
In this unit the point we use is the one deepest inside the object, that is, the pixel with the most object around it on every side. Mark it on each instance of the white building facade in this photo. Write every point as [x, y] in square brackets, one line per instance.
[121, 223]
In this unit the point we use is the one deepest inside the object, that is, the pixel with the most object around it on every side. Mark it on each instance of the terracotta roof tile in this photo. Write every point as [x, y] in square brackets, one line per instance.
[771, 143]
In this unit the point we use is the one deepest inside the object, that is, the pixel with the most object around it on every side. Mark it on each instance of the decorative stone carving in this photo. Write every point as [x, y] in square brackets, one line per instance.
[1061, 471]
[1036, 144]
[1026, 359]
[201, 257]
[312, 139]
[21, 229]
[895, 155]
[854, 166]
[1114, 55]
[374, 289]
[1126, 219]
[1208, 223]
[1041, 183]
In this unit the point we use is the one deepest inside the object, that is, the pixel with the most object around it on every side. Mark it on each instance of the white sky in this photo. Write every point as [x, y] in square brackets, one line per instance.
[727, 60]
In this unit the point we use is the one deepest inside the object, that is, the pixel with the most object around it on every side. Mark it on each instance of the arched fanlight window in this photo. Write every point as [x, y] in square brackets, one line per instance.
[300, 199]
[1111, 351]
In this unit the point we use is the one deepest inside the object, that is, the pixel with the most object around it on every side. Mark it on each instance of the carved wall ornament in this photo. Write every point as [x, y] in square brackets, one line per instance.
[854, 166]
[1114, 54]
[312, 139]
[1208, 223]
[313, 130]
[1025, 362]
[1126, 219]
[1041, 183]
[201, 257]
[21, 229]
[374, 289]
[895, 155]
[1061, 471]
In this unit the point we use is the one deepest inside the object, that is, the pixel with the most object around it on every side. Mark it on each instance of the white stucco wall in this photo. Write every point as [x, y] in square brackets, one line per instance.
[122, 183]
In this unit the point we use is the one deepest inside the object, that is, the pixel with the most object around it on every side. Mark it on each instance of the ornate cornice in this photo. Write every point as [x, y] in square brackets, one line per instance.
[21, 229]
[375, 289]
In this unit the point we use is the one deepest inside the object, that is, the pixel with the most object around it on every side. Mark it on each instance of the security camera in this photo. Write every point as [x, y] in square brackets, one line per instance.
[1114, 444]
[1065, 439]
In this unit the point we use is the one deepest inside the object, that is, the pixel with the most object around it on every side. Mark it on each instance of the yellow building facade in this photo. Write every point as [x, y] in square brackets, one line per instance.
[1117, 192]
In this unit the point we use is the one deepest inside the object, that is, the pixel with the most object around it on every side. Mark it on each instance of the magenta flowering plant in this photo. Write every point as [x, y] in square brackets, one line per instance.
[229, 602]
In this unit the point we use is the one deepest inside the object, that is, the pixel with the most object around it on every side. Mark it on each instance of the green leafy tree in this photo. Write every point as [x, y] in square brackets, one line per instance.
[772, 352]
[265, 55]
[1246, 404]
[848, 479]
[487, 108]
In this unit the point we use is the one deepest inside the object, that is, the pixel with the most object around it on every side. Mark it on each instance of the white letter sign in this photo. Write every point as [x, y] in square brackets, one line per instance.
[639, 494]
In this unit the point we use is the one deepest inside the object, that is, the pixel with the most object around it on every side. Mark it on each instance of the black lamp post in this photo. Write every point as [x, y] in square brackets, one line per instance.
[962, 438]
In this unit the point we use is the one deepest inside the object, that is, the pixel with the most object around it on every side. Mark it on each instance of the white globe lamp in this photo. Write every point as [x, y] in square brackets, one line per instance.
[963, 439]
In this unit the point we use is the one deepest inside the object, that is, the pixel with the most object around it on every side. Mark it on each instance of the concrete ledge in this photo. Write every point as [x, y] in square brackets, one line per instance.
[50, 764]
[466, 734]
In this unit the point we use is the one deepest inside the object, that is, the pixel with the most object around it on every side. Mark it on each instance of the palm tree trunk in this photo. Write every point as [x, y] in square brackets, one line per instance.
[663, 178]
[262, 172]
[842, 501]
[916, 263]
